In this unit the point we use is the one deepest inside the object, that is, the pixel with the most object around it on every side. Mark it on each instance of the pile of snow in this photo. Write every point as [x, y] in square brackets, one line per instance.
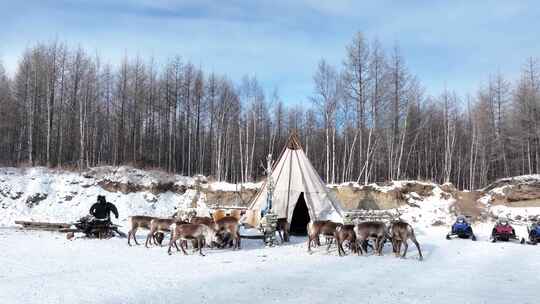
[386, 187]
[430, 207]
[427, 211]
[520, 178]
[143, 178]
[42, 194]
[515, 212]
[229, 187]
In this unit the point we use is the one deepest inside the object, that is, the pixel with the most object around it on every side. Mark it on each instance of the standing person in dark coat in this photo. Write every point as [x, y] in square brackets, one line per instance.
[102, 209]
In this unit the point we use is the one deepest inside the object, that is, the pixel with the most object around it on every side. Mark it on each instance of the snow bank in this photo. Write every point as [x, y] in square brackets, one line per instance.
[423, 203]
[517, 214]
[497, 194]
[42, 194]
[228, 187]
[428, 210]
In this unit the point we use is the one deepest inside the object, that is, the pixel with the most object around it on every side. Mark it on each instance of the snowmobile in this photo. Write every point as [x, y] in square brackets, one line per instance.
[503, 231]
[534, 233]
[94, 228]
[462, 229]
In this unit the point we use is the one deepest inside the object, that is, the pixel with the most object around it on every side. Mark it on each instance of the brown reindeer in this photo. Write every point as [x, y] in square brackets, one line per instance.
[373, 230]
[316, 228]
[401, 232]
[345, 233]
[160, 225]
[188, 232]
[136, 222]
[203, 220]
[229, 225]
[283, 228]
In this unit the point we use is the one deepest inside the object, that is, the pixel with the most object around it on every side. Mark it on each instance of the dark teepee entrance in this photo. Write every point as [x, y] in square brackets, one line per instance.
[300, 217]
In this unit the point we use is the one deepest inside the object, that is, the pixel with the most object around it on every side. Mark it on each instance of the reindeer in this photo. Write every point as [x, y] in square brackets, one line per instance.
[229, 226]
[316, 228]
[160, 225]
[366, 230]
[283, 228]
[136, 222]
[345, 233]
[184, 232]
[203, 220]
[401, 232]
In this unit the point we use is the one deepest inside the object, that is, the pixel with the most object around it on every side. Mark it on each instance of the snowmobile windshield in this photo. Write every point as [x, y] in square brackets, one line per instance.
[502, 221]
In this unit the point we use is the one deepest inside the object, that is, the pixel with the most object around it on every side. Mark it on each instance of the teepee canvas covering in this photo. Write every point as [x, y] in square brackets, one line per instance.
[295, 179]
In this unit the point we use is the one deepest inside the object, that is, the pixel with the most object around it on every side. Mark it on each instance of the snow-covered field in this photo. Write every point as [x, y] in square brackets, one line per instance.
[42, 267]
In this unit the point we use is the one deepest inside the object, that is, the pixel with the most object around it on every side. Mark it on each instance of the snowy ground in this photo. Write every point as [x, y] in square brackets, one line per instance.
[42, 267]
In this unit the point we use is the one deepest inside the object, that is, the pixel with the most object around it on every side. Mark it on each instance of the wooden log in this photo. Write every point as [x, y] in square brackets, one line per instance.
[42, 225]
[67, 230]
[38, 228]
[32, 223]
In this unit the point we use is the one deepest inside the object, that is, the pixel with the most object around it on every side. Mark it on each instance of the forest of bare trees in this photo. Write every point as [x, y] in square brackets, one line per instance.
[368, 119]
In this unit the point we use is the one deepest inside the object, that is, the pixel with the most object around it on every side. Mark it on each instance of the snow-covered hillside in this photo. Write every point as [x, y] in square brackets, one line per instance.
[516, 198]
[46, 195]
[43, 194]
[422, 203]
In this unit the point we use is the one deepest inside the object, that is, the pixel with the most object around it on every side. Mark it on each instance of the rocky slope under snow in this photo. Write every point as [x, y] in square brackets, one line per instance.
[517, 198]
[43, 194]
[50, 195]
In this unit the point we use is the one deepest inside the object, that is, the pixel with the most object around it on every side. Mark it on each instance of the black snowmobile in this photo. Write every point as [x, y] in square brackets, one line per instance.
[97, 228]
[98, 223]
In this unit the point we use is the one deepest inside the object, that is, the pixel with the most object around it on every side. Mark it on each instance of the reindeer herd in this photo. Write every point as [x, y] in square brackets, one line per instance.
[225, 232]
[201, 231]
[357, 236]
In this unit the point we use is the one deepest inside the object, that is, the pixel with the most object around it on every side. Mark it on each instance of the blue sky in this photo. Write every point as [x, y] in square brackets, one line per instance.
[445, 43]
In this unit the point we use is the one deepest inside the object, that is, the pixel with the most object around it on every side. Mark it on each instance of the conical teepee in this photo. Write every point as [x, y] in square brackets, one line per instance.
[297, 183]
